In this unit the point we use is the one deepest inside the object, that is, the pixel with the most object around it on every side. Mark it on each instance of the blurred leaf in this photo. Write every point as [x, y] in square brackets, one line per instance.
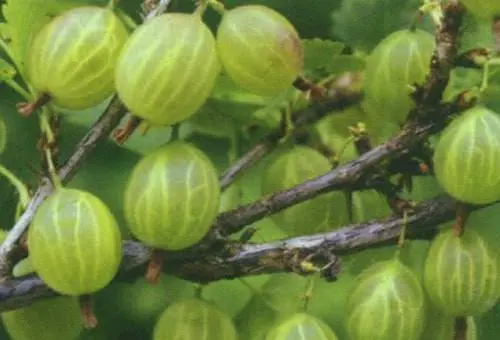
[461, 79]
[346, 63]
[25, 19]
[363, 23]
[230, 296]
[476, 33]
[318, 53]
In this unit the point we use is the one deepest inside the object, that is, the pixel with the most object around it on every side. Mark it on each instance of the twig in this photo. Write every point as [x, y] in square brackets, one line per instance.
[340, 96]
[350, 175]
[237, 260]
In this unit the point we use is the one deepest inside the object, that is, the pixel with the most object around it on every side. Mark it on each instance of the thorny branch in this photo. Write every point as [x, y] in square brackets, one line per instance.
[237, 260]
[211, 260]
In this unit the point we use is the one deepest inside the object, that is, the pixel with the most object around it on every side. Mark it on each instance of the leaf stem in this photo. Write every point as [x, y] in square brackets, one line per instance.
[24, 196]
[52, 170]
[19, 89]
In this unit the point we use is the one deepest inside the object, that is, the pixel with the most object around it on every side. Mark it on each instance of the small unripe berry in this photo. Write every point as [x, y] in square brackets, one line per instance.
[194, 319]
[260, 49]
[168, 68]
[57, 318]
[72, 59]
[462, 274]
[386, 302]
[467, 157]
[172, 197]
[74, 242]
[301, 326]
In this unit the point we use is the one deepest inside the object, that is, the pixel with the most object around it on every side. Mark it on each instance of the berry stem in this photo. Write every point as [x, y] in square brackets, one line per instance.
[307, 86]
[461, 218]
[121, 135]
[24, 196]
[56, 181]
[153, 271]
[27, 109]
[89, 319]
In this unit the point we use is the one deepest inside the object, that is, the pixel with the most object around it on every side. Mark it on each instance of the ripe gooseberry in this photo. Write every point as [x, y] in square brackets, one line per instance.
[74, 242]
[57, 318]
[194, 319]
[467, 157]
[399, 61]
[386, 302]
[462, 274]
[72, 59]
[324, 212]
[259, 49]
[172, 197]
[168, 68]
[301, 326]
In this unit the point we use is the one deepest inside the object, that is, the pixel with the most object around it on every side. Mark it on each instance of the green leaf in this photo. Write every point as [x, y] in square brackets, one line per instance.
[476, 33]
[363, 23]
[346, 63]
[319, 53]
[25, 19]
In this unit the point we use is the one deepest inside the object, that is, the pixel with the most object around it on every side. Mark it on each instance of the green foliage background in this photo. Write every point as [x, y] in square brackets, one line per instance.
[128, 310]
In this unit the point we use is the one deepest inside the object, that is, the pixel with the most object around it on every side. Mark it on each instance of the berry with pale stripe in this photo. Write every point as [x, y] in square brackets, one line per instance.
[301, 326]
[260, 49]
[320, 214]
[168, 68]
[467, 157]
[73, 58]
[462, 274]
[74, 242]
[397, 63]
[386, 302]
[194, 319]
[172, 197]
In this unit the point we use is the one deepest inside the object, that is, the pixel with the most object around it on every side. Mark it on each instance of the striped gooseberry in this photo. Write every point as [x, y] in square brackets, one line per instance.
[194, 319]
[484, 9]
[462, 274]
[322, 213]
[57, 318]
[386, 302]
[72, 59]
[399, 61]
[467, 157]
[301, 326]
[259, 48]
[168, 68]
[172, 197]
[74, 242]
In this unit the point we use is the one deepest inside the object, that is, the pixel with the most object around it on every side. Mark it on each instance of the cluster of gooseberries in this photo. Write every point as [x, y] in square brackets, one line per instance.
[164, 72]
